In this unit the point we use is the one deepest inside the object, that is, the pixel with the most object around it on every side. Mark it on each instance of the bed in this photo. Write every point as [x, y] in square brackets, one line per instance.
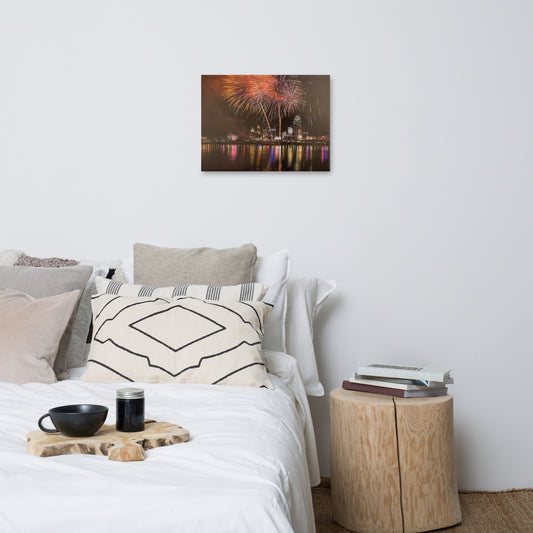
[244, 468]
[248, 467]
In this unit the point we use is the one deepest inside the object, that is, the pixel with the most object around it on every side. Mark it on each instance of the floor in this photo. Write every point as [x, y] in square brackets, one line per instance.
[483, 512]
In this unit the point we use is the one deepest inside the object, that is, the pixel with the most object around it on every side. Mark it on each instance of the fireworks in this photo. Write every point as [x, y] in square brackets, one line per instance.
[264, 95]
[290, 96]
[247, 94]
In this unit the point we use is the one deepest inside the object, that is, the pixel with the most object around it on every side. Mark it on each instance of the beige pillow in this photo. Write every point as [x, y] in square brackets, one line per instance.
[40, 282]
[30, 331]
[182, 340]
[162, 267]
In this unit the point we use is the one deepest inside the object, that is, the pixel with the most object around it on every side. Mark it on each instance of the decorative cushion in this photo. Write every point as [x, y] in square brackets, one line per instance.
[163, 267]
[273, 270]
[30, 332]
[306, 297]
[185, 340]
[27, 260]
[40, 282]
[245, 293]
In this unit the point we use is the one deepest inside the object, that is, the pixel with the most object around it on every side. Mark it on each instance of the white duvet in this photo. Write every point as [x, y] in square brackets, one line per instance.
[244, 469]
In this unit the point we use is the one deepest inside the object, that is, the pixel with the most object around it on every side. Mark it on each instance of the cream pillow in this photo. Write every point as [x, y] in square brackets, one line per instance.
[182, 340]
[30, 332]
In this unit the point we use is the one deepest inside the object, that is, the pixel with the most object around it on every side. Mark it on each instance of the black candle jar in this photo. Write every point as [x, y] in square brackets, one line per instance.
[130, 409]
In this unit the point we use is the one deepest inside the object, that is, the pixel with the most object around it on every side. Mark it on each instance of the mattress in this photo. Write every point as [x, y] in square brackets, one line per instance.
[245, 468]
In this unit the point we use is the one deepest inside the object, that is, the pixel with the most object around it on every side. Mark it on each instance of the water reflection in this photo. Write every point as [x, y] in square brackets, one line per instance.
[276, 157]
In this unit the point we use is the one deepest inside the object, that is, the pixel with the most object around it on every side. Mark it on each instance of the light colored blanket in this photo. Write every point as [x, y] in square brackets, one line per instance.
[244, 469]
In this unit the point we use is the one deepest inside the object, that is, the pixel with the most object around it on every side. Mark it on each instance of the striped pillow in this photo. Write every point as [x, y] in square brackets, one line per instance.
[247, 292]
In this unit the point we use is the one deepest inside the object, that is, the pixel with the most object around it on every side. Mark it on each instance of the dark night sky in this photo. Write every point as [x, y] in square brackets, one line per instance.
[218, 118]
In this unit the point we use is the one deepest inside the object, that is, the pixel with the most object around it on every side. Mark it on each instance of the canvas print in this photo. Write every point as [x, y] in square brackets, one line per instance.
[265, 122]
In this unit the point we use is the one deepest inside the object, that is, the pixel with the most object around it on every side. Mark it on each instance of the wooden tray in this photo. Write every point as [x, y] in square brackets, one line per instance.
[117, 445]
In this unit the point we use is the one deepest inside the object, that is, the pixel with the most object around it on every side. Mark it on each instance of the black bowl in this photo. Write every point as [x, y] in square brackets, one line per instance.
[80, 420]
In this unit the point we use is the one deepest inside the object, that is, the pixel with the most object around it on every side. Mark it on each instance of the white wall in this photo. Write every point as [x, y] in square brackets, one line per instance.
[424, 220]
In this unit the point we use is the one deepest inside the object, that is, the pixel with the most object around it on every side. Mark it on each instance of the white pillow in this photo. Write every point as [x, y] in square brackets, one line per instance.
[127, 268]
[182, 340]
[9, 257]
[273, 270]
[305, 298]
[123, 267]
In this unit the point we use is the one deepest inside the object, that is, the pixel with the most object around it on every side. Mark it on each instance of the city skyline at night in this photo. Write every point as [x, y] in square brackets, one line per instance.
[265, 110]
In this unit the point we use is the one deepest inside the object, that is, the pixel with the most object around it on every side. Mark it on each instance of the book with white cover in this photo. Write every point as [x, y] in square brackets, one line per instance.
[397, 383]
[404, 372]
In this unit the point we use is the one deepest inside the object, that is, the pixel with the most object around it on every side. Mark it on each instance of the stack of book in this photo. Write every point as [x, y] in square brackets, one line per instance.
[401, 381]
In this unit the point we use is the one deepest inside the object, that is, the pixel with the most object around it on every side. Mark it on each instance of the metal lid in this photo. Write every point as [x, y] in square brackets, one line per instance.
[130, 393]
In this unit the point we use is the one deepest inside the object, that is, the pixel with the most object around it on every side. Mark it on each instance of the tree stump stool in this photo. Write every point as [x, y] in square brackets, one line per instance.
[392, 463]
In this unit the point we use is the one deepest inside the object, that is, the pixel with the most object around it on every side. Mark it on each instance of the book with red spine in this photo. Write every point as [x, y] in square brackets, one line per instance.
[400, 393]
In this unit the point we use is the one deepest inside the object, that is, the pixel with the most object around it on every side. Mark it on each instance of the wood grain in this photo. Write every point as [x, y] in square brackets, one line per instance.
[427, 463]
[117, 445]
[365, 483]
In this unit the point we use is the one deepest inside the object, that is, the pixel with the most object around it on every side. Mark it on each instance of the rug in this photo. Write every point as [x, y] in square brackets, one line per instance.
[483, 512]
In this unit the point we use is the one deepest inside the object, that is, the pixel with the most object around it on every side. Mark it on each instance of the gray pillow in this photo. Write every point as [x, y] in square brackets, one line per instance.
[163, 267]
[40, 282]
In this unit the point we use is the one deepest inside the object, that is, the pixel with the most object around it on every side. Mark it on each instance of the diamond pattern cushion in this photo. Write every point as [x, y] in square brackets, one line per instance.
[185, 340]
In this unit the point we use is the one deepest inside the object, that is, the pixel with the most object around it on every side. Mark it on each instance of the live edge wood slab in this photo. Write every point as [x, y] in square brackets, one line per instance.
[117, 445]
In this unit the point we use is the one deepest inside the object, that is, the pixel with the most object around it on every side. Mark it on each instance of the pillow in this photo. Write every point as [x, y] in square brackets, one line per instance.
[183, 340]
[162, 267]
[122, 269]
[27, 260]
[40, 282]
[273, 270]
[30, 332]
[124, 272]
[9, 257]
[80, 342]
[78, 346]
[305, 298]
[245, 292]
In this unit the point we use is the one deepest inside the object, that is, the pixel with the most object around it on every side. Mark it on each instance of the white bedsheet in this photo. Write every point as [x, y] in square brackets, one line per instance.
[244, 469]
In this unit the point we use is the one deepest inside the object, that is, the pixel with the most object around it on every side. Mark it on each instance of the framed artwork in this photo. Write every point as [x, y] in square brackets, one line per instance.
[265, 123]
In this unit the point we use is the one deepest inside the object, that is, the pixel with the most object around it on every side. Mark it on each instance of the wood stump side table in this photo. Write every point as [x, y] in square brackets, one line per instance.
[392, 463]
